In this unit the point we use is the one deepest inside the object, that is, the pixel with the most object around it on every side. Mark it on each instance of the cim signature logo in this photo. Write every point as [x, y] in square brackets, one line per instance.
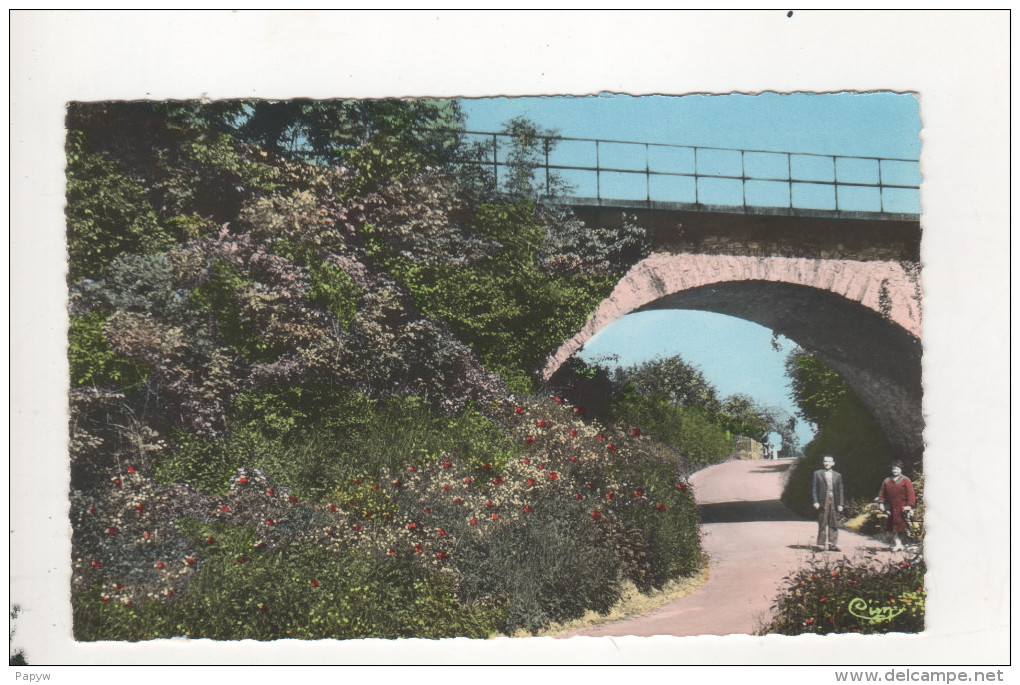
[861, 609]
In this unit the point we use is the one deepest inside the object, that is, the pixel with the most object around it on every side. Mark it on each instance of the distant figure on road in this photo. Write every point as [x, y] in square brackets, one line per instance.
[827, 495]
[897, 498]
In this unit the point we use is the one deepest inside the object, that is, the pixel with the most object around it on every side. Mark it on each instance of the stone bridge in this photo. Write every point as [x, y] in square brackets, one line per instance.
[862, 317]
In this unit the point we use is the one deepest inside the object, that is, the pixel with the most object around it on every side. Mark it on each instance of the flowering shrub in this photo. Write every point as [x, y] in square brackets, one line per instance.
[830, 596]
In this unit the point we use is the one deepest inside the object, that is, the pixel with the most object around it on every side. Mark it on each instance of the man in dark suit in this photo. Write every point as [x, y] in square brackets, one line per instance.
[827, 495]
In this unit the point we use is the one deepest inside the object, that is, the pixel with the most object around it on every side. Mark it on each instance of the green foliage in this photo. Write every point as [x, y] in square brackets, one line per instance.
[205, 464]
[505, 307]
[220, 153]
[382, 159]
[333, 289]
[530, 146]
[690, 430]
[673, 378]
[108, 214]
[862, 455]
[93, 361]
[218, 297]
[851, 597]
[290, 591]
[815, 388]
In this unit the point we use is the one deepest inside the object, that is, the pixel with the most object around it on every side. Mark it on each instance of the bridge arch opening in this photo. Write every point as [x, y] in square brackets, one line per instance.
[878, 356]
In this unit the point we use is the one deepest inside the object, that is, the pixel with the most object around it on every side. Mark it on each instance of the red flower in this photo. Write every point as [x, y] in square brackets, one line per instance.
[573, 433]
[596, 514]
[357, 481]
[146, 535]
[498, 480]
[639, 493]
[540, 423]
[835, 574]
[814, 576]
[210, 540]
[129, 604]
[105, 598]
[170, 594]
[140, 508]
[263, 608]
[823, 599]
[458, 500]
[116, 481]
[905, 564]
[495, 517]
[612, 448]
[446, 487]
[391, 552]
[527, 509]
[541, 467]
[600, 437]
[852, 581]
[412, 526]
[447, 465]
[418, 549]
[440, 555]
[242, 480]
[610, 495]
[427, 510]
[92, 509]
[578, 496]
[579, 410]
[97, 564]
[190, 561]
[118, 586]
[473, 522]
[159, 565]
[531, 481]
[635, 432]
[591, 486]
[356, 527]
[313, 583]
[271, 492]
[682, 487]
[293, 499]
[375, 486]
[397, 484]
[518, 410]
[808, 622]
[558, 400]
[111, 531]
[574, 458]
[468, 480]
[489, 503]
[350, 501]
[332, 507]
[441, 532]
[529, 440]
[411, 469]
[526, 461]
[660, 507]
[553, 476]
[131, 470]
[241, 560]
[223, 508]
[270, 522]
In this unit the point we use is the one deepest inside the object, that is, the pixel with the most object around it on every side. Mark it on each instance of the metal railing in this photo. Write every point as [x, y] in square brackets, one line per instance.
[785, 182]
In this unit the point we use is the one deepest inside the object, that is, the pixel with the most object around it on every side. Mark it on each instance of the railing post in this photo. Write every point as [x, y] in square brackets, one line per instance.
[696, 200]
[835, 181]
[546, 143]
[881, 190]
[743, 181]
[495, 164]
[648, 178]
[789, 175]
[598, 175]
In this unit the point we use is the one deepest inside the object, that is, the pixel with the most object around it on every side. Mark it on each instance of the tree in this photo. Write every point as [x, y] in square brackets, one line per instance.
[816, 389]
[679, 381]
[530, 146]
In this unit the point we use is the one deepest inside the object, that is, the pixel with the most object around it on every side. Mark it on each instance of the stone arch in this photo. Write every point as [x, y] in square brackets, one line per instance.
[861, 318]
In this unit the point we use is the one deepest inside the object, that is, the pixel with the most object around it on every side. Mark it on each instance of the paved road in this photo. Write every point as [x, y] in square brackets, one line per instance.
[752, 541]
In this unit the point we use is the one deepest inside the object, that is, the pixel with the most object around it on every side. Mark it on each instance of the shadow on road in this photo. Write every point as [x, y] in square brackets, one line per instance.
[771, 466]
[742, 512]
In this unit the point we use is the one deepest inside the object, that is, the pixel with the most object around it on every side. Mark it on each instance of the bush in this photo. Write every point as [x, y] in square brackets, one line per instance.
[851, 597]
[862, 456]
[93, 361]
[688, 429]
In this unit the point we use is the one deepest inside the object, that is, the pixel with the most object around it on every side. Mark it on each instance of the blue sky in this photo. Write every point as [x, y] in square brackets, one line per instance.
[735, 355]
